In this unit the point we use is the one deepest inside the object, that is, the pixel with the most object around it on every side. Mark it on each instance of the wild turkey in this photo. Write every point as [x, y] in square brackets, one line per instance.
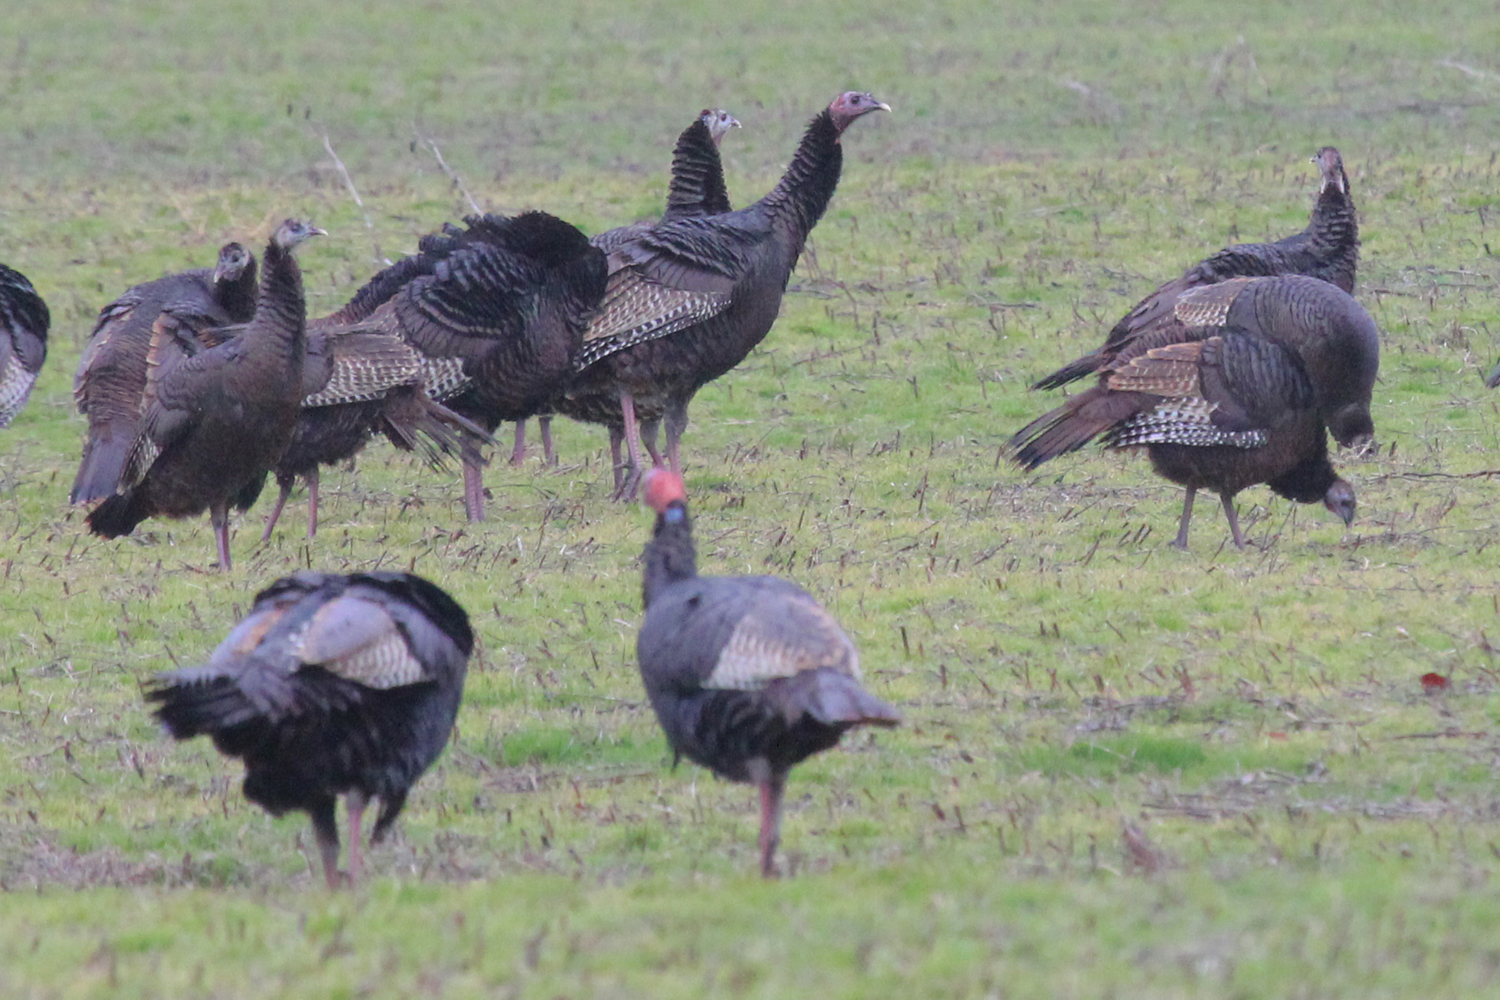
[216, 422]
[748, 675]
[24, 321]
[1327, 249]
[496, 311]
[332, 685]
[165, 319]
[688, 299]
[697, 188]
[360, 382]
[1236, 389]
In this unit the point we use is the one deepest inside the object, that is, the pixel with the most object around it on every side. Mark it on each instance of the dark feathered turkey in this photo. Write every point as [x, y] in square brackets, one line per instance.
[748, 675]
[165, 319]
[697, 188]
[1327, 249]
[687, 300]
[332, 685]
[215, 423]
[1238, 388]
[24, 321]
[495, 311]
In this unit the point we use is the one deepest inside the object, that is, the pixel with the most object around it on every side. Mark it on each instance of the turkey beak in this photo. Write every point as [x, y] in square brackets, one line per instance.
[882, 106]
[315, 231]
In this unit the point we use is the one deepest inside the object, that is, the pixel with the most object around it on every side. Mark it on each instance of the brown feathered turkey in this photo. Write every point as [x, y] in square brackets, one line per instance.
[1327, 249]
[216, 422]
[332, 685]
[748, 675]
[165, 320]
[494, 311]
[24, 321]
[1240, 387]
[687, 300]
[696, 188]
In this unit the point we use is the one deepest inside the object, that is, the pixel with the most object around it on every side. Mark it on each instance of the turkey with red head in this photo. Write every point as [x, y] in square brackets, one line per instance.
[748, 674]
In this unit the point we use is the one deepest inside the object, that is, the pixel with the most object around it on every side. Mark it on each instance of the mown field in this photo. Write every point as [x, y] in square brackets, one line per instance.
[1126, 771]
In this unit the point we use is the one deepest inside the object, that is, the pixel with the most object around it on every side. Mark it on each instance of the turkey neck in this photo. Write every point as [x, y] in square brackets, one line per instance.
[800, 198]
[1334, 233]
[697, 186]
[669, 556]
[237, 297]
[280, 312]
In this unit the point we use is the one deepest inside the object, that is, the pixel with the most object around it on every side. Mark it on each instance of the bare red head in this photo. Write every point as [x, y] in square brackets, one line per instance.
[661, 487]
[851, 105]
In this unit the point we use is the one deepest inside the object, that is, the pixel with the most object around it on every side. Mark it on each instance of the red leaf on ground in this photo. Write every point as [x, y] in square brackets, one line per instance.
[1434, 682]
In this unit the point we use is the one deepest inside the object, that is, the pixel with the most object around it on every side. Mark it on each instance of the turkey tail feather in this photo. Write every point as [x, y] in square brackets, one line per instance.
[1075, 424]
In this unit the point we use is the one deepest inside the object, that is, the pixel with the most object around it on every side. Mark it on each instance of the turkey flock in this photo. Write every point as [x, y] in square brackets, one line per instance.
[199, 386]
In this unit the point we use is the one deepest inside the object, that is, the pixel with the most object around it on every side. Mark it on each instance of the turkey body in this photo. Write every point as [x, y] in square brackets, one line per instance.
[1239, 386]
[24, 322]
[164, 320]
[748, 676]
[217, 422]
[696, 189]
[494, 312]
[1328, 249]
[332, 685]
[688, 299]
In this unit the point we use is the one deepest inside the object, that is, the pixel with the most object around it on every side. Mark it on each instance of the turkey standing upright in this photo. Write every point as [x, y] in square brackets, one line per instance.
[1327, 249]
[163, 319]
[748, 675]
[216, 422]
[24, 321]
[697, 188]
[687, 300]
[332, 685]
[1239, 386]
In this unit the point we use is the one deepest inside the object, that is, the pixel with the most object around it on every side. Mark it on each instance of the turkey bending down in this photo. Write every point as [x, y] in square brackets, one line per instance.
[1238, 388]
[24, 321]
[748, 674]
[697, 188]
[214, 424]
[163, 319]
[688, 299]
[332, 685]
[1328, 249]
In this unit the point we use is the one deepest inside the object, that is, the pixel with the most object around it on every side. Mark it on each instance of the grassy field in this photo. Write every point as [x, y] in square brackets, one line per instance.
[1126, 771]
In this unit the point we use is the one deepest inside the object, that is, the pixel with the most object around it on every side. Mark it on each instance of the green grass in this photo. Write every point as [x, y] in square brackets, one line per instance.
[1314, 824]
